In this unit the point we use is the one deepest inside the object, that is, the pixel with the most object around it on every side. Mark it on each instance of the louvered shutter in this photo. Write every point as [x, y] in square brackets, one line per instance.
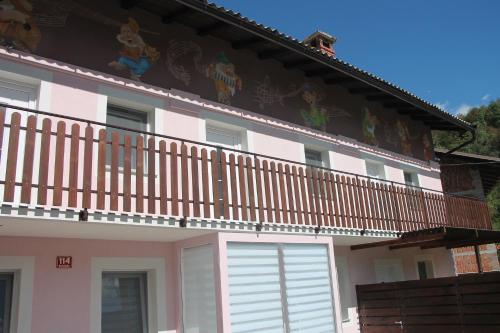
[198, 290]
[308, 288]
[254, 288]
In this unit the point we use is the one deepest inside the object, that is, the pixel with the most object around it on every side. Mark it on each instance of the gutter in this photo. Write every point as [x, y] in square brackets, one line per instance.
[473, 132]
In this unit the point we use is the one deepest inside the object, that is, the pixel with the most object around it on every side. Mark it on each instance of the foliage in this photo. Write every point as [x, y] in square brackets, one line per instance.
[486, 118]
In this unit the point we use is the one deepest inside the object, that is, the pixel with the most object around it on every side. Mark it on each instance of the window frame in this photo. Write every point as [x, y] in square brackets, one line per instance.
[143, 289]
[380, 166]
[156, 291]
[414, 178]
[8, 277]
[426, 258]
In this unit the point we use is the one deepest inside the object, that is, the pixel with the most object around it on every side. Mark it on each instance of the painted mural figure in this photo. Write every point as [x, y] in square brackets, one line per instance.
[135, 55]
[18, 28]
[317, 116]
[370, 122]
[428, 149]
[226, 81]
[404, 137]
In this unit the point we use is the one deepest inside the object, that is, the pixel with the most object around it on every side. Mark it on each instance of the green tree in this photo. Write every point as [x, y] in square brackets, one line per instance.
[486, 118]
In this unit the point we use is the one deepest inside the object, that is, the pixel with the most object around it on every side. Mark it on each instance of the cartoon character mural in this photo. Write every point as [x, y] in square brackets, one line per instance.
[404, 137]
[226, 81]
[316, 116]
[135, 55]
[428, 150]
[18, 28]
[370, 122]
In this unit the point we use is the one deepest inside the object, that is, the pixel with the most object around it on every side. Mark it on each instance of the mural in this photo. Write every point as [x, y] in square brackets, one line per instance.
[223, 74]
[428, 147]
[18, 28]
[370, 123]
[135, 56]
[136, 45]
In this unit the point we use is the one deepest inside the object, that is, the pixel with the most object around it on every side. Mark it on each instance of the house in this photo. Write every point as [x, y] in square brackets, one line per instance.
[172, 166]
[475, 176]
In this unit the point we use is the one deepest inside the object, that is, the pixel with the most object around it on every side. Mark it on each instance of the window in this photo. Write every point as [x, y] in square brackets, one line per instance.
[411, 178]
[124, 303]
[344, 285]
[280, 288]
[425, 267]
[121, 117]
[5, 301]
[375, 170]
[198, 290]
[223, 137]
[313, 157]
[389, 270]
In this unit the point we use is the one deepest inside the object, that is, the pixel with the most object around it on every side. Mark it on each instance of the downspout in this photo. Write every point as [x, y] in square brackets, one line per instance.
[473, 132]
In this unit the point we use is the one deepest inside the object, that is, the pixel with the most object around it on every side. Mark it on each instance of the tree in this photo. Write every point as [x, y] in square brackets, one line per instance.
[486, 118]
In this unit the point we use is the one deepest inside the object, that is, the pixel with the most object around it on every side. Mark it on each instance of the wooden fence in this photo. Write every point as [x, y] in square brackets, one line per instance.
[85, 165]
[464, 303]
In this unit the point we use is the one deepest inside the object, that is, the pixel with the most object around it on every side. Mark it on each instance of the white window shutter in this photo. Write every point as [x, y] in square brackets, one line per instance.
[308, 288]
[254, 288]
[198, 290]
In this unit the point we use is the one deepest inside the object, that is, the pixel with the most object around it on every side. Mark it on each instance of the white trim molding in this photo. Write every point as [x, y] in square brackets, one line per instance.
[23, 268]
[156, 280]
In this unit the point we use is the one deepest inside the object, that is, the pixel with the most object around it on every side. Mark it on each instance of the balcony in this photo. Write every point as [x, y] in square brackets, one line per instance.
[62, 162]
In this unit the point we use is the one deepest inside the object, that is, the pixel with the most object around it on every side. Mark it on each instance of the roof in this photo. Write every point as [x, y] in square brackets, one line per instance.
[488, 166]
[268, 43]
[449, 237]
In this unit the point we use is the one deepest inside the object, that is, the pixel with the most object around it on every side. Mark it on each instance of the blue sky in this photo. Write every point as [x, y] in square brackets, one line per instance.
[446, 51]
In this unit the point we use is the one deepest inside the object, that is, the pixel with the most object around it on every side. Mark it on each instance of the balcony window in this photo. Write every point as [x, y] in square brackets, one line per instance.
[375, 170]
[314, 158]
[5, 301]
[411, 178]
[223, 137]
[124, 303]
[122, 117]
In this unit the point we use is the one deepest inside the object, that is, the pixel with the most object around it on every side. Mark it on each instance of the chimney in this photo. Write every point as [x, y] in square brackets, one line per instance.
[322, 41]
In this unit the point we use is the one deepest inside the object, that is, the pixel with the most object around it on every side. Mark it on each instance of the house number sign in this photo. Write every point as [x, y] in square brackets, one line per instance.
[64, 262]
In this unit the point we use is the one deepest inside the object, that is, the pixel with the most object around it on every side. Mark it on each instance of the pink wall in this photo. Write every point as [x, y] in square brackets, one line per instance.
[61, 300]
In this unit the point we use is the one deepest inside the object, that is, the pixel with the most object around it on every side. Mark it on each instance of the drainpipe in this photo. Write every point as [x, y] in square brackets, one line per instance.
[473, 132]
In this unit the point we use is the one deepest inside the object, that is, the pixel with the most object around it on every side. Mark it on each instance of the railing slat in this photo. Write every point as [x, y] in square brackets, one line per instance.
[310, 195]
[340, 212]
[113, 186]
[243, 191]
[322, 197]
[267, 186]
[224, 184]
[206, 183]
[284, 205]
[43, 173]
[347, 213]
[163, 178]
[366, 206]
[152, 175]
[127, 173]
[291, 201]
[2, 128]
[195, 181]
[101, 169]
[174, 182]
[303, 192]
[29, 152]
[296, 192]
[234, 188]
[251, 190]
[352, 206]
[276, 202]
[59, 164]
[10, 174]
[258, 184]
[215, 183]
[87, 166]
[185, 180]
[73, 165]
[139, 174]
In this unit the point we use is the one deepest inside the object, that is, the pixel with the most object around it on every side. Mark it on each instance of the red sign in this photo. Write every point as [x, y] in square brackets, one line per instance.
[64, 261]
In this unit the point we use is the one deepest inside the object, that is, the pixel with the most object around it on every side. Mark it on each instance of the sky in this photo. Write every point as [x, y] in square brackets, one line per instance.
[444, 51]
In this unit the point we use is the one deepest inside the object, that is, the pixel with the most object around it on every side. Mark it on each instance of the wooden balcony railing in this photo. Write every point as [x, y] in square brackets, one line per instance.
[59, 161]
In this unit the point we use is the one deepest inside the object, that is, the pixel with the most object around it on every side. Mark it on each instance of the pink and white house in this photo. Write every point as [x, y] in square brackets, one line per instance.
[172, 166]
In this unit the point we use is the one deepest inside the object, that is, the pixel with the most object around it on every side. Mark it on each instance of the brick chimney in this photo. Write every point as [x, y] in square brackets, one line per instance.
[322, 41]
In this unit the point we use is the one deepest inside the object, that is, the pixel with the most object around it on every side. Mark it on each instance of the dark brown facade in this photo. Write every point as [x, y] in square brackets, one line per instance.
[135, 44]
